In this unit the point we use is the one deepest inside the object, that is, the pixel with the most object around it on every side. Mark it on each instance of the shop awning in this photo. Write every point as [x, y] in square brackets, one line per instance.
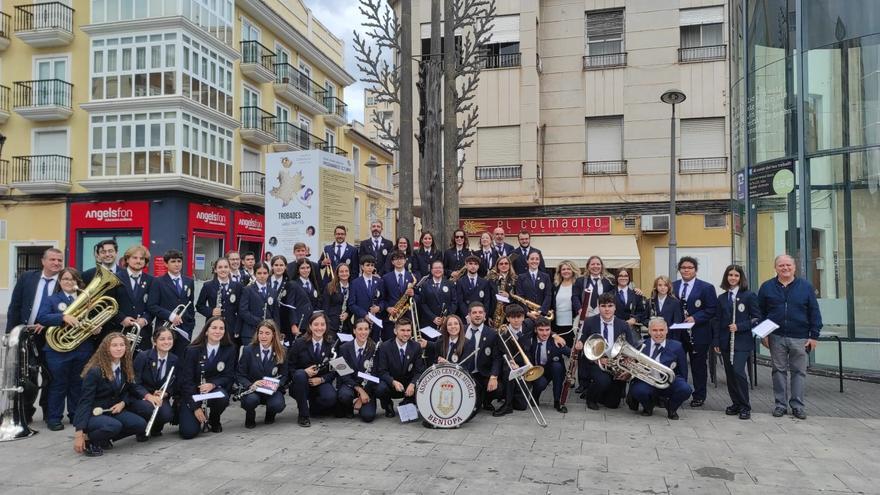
[617, 251]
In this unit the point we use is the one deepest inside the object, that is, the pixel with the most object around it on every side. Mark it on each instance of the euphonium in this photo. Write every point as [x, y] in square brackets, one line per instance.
[624, 358]
[532, 306]
[92, 308]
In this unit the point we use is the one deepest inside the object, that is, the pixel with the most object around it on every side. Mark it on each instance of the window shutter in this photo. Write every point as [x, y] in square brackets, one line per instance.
[505, 29]
[605, 139]
[498, 145]
[425, 30]
[706, 15]
[702, 138]
[251, 161]
[606, 24]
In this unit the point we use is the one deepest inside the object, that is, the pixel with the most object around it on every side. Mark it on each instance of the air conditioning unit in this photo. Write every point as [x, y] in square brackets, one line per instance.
[655, 223]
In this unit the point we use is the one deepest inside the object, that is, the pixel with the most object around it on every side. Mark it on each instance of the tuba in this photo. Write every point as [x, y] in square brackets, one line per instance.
[624, 358]
[13, 373]
[93, 308]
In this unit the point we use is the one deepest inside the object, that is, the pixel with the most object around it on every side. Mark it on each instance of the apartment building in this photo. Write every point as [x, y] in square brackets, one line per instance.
[373, 167]
[573, 141]
[149, 121]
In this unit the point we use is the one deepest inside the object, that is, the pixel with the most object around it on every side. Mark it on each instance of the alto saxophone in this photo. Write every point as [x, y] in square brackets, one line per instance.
[532, 306]
[403, 304]
[498, 317]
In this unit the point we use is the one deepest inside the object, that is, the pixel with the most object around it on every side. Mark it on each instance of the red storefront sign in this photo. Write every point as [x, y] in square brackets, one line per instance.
[539, 226]
[115, 215]
[248, 224]
[211, 218]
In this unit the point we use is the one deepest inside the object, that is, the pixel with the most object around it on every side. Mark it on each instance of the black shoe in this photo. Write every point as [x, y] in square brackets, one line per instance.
[425, 424]
[55, 426]
[732, 411]
[559, 407]
[216, 427]
[502, 411]
[779, 412]
[304, 421]
[672, 415]
[488, 407]
[799, 413]
[592, 405]
[108, 445]
[93, 450]
[697, 403]
[632, 403]
[250, 419]
[744, 414]
[141, 437]
[583, 395]
[156, 433]
[270, 418]
[648, 411]
[389, 412]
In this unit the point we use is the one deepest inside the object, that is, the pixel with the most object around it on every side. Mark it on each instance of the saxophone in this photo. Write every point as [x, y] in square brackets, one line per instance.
[532, 306]
[498, 317]
[403, 304]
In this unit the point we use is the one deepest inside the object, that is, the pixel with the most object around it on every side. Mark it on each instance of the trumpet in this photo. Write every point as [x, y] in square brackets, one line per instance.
[132, 334]
[178, 312]
[454, 276]
[327, 270]
[531, 305]
[526, 373]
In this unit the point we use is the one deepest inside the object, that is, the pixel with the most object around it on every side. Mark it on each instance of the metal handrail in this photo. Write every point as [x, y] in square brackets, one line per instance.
[288, 74]
[41, 168]
[253, 52]
[46, 15]
[257, 118]
[42, 93]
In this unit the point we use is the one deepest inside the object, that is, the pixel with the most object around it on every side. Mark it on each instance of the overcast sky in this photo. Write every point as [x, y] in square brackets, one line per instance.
[341, 17]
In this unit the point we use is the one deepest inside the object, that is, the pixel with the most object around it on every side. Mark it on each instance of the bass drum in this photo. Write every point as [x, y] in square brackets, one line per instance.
[446, 395]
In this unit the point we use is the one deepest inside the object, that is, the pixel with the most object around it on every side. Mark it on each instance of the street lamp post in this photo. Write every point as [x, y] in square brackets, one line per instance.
[672, 97]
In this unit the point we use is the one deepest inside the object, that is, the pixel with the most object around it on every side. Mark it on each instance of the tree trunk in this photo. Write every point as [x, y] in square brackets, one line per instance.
[430, 184]
[405, 153]
[450, 130]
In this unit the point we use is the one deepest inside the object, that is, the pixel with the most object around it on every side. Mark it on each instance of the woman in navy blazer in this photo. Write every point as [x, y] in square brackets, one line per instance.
[257, 304]
[264, 357]
[107, 389]
[664, 304]
[230, 297]
[425, 255]
[304, 276]
[210, 358]
[738, 311]
[336, 294]
[64, 367]
[404, 245]
[151, 369]
[312, 383]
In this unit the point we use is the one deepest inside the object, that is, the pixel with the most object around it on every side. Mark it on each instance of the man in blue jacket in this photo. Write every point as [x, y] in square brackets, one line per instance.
[791, 303]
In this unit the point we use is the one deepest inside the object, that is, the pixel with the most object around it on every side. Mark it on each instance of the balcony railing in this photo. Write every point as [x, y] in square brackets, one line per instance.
[604, 61]
[499, 172]
[4, 173]
[606, 167]
[287, 74]
[258, 119]
[41, 16]
[33, 169]
[4, 25]
[253, 52]
[702, 165]
[253, 182]
[335, 150]
[702, 53]
[4, 98]
[42, 93]
[336, 107]
[287, 133]
[500, 61]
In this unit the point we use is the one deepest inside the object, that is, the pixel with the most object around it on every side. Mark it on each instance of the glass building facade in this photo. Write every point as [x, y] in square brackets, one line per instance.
[805, 127]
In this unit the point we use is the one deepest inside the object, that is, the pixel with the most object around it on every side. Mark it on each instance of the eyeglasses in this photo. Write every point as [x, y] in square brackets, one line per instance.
[67, 279]
[505, 263]
[459, 237]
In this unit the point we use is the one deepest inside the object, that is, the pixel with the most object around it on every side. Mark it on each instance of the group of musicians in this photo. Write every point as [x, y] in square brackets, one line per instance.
[273, 328]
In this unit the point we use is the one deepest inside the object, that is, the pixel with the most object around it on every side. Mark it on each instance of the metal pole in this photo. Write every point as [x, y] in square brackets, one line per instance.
[673, 244]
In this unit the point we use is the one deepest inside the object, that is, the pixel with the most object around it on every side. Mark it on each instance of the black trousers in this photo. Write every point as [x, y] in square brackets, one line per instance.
[737, 378]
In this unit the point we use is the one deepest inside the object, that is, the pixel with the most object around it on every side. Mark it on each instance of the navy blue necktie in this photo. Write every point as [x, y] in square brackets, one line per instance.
[118, 377]
[605, 330]
[400, 281]
[212, 355]
[317, 349]
[134, 284]
[275, 285]
[160, 369]
[177, 285]
[45, 288]
[265, 356]
[263, 292]
[657, 350]
[360, 357]
[402, 358]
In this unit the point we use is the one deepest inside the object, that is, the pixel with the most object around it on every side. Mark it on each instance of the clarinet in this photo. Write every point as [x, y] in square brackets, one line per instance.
[368, 363]
[344, 308]
[732, 322]
[204, 406]
[219, 303]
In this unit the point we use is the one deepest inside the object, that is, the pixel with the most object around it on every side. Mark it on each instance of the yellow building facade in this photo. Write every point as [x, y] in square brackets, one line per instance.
[373, 189]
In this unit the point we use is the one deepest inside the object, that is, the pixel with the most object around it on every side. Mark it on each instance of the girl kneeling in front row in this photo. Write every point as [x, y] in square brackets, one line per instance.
[107, 390]
[208, 366]
[264, 358]
[151, 369]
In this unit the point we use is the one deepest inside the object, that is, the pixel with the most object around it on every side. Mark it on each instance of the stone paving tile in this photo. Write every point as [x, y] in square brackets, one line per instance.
[625, 483]
[585, 462]
[428, 485]
[251, 487]
[685, 486]
[859, 483]
[487, 486]
[549, 475]
[361, 478]
[427, 466]
[795, 480]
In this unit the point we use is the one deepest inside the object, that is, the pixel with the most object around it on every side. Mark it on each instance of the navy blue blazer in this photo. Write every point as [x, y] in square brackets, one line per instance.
[489, 358]
[52, 309]
[314, 294]
[520, 261]
[98, 391]
[671, 311]
[392, 290]
[163, 298]
[252, 308]
[422, 261]
[196, 358]
[22, 302]
[349, 353]
[672, 352]
[367, 247]
[293, 306]
[700, 304]
[242, 277]
[409, 265]
[433, 302]
[540, 291]
[453, 260]
[146, 373]
[314, 277]
[301, 355]
[593, 326]
[361, 299]
[389, 368]
[349, 257]
[133, 302]
[229, 302]
[554, 354]
[577, 292]
[634, 307]
[439, 348]
[487, 261]
[482, 291]
[331, 304]
[251, 368]
[748, 315]
[507, 251]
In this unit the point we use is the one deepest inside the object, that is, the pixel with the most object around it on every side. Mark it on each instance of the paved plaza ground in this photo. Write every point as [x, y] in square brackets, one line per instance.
[835, 451]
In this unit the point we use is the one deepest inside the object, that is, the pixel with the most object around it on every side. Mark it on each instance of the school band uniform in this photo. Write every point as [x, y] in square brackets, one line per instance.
[537, 288]
[668, 308]
[744, 304]
[395, 287]
[64, 367]
[453, 260]
[446, 350]
[132, 296]
[485, 363]
[104, 392]
[342, 254]
[488, 259]
[311, 400]
[331, 304]
[395, 363]
[601, 386]
[513, 398]
[699, 302]
[669, 353]
[364, 294]
[469, 290]
[241, 276]
[218, 366]
[150, 374]
[377, 247]
[311, 290]
[435, 298]
[408, 265]
[600, 285]
[422, 260]
[257, 304]
[504, 249]
[314, 275]
[255, 364]
[230, 298]
[552, 358]
[292, 306]
[360, 359]
[629, 305]
[519, 259]
[89, 274]
[166, 293]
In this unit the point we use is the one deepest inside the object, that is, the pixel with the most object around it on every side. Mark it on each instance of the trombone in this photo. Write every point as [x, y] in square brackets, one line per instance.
[526, 373]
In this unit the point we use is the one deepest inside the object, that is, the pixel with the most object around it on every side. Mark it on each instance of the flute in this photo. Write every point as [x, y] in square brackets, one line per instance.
[732, 322]
[162, 392]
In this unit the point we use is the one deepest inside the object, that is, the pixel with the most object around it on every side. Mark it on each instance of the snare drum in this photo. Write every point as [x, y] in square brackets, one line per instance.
[446, 395]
